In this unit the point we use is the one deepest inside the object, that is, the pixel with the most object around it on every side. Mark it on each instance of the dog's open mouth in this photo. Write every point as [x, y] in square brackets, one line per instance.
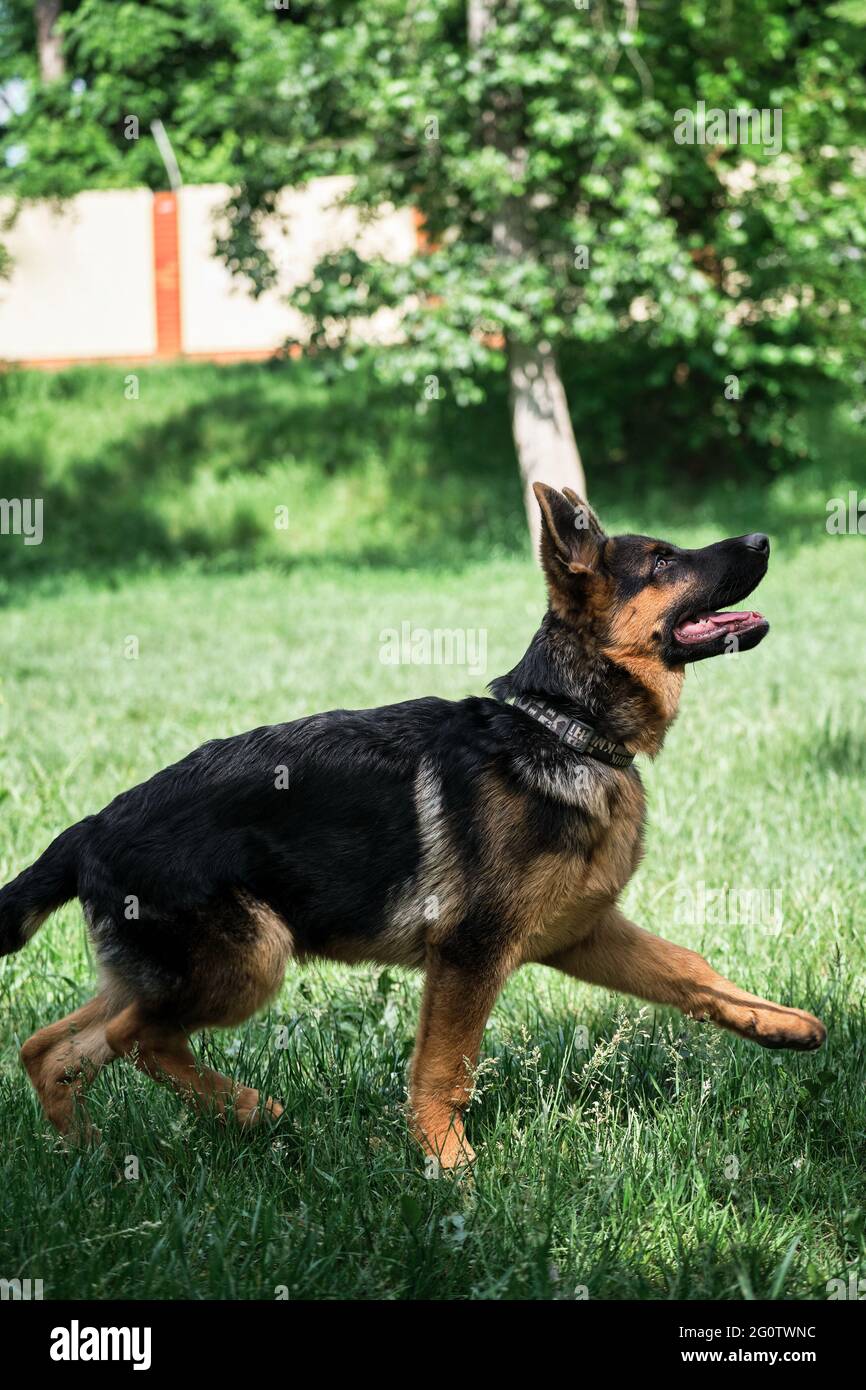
[704, 626]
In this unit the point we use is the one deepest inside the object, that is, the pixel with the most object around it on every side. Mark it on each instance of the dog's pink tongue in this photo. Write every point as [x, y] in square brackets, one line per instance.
[725, 619]
[708, 624]
[696, 627]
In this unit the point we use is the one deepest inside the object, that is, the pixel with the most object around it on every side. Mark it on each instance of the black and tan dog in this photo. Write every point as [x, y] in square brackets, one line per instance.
[463, 838]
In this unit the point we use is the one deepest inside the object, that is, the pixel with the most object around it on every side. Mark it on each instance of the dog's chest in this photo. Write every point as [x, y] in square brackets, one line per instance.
[542, 868]
[567, 890]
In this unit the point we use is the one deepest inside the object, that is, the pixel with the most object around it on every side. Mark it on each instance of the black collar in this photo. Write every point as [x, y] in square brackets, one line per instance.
[574, 732]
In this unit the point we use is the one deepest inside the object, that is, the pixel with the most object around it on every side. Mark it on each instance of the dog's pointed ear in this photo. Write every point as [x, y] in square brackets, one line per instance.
[572, 537]
[587, 519]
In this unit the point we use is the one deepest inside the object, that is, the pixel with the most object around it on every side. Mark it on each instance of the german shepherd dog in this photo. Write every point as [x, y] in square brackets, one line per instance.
[464, 838]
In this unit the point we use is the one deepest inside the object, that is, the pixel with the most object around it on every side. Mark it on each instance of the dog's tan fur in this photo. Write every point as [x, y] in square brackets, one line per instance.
[226, 987]
[469, 930]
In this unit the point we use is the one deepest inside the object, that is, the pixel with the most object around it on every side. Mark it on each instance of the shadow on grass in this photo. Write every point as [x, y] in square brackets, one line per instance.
[191, 470]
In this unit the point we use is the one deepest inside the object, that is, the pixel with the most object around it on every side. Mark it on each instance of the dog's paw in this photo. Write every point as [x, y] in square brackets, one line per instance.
[452, 1156]
[777, 1027]
[250, 1111]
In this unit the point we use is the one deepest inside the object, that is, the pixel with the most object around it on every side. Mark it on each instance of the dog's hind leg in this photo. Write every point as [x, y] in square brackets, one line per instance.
[161, 1049]
[622, 956]
[61, 1059]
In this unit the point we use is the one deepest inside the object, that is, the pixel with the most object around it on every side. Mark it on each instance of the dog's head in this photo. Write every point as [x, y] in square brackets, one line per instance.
[646, 602]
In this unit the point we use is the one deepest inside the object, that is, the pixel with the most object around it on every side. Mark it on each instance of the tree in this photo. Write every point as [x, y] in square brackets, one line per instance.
[539, 141]
[695, 289]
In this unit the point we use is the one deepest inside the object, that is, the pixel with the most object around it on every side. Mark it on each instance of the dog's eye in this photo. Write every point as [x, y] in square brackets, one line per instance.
[662, 561]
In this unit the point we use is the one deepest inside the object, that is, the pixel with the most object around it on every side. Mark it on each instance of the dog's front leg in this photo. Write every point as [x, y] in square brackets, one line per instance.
[456, 1005]
[622, 956]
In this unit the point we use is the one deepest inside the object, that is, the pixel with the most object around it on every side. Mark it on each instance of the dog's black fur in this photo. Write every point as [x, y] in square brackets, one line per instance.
[329, 821]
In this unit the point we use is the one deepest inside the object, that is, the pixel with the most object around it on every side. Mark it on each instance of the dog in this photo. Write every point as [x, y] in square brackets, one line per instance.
[462, 838]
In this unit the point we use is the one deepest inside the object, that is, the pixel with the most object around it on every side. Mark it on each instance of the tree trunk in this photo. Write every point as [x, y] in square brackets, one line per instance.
[540, 422]
[48, 42]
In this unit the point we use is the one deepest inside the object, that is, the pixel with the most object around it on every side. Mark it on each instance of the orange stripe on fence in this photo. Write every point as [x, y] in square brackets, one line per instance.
[166, 274]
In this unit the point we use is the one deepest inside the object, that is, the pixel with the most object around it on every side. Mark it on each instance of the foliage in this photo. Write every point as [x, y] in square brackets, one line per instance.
[696, 263]
[705, 262]
[168, 59]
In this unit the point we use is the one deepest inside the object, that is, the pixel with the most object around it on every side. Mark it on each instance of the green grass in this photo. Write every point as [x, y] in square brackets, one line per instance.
[645, 1157]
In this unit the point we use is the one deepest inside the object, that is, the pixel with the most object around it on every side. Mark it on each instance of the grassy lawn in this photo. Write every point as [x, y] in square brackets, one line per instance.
[623, 1152]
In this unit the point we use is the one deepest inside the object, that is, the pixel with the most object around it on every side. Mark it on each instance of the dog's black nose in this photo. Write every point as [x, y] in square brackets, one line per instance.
[757, 541]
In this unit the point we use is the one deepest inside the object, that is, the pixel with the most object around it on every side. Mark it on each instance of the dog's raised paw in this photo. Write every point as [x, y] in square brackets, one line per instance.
[796, 1031]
